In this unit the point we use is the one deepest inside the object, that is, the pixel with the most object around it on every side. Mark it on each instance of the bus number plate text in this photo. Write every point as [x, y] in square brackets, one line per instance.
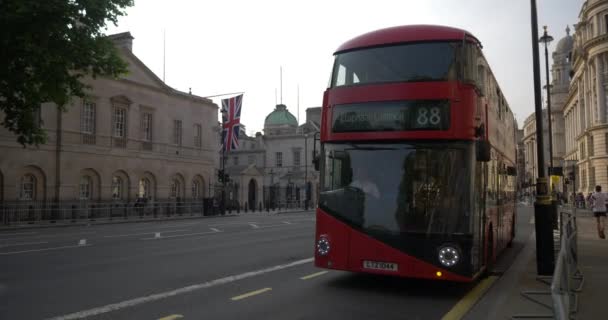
[377, 265]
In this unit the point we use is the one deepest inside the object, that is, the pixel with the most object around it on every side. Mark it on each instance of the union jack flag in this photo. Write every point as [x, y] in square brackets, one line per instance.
[231, 117]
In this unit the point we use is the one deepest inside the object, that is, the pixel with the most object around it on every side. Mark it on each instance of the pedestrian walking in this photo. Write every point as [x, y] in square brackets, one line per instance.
[598, 205]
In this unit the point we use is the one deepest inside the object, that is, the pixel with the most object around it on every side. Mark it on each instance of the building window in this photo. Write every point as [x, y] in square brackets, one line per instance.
[85, 188]
[197, 189]
[606, 23]
[279, 159]
[87, 118]
[250, 159]
[28, 187]
[198, 136]
[591, 147]
[120, 122]
[176, 188]
[592, 177]
[177, 132]
[296, 158]
[144, 188]
[117, 188]
[146, 126]
[235, 161]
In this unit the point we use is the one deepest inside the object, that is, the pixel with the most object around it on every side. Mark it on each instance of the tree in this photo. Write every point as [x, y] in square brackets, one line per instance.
[47, 48]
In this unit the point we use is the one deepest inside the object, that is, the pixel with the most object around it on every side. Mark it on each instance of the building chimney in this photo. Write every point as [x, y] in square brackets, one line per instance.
[123, 40]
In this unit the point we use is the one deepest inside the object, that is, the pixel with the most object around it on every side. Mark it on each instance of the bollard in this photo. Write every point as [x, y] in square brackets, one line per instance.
[74, 213]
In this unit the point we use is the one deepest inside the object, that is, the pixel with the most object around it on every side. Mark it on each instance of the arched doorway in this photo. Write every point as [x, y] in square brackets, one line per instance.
[251, 199]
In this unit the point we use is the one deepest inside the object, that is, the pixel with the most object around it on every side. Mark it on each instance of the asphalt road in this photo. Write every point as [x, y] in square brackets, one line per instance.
[253, 266]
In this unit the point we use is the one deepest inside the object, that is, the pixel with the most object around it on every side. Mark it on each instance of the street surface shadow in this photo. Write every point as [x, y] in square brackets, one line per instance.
[390, 285]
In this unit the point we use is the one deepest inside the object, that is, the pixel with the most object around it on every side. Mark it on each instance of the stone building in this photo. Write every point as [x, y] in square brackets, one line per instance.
[560, 70]
[131, 138]
[585, 111]
[275, 168]
[529, 148]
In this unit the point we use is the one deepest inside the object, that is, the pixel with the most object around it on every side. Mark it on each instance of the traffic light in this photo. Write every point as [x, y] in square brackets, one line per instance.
[227, 177]
[220, 175]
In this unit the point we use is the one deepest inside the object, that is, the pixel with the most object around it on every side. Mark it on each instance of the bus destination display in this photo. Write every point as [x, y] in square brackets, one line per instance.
[391, 116]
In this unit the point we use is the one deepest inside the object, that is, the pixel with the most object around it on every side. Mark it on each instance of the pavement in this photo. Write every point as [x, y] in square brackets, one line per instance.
[504, 300]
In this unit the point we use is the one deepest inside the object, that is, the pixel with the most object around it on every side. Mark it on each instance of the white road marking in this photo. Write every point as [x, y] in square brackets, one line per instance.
[273, 225]
[82, 242]
[45, 249]
[253, 225]
[172, 293]
[17, 234]
[166, 227]
[286, 222]
[182, 235]
[142, 233]
[215, 229]
[50, 236]
[22, 244]
[228, 224]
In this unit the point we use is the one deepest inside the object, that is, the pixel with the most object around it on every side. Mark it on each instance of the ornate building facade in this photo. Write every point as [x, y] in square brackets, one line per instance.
[275, 169]
[131, 138]
[585, 111]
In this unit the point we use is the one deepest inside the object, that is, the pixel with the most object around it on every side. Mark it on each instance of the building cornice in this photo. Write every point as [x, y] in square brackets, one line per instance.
[594, 41]
[587, 8]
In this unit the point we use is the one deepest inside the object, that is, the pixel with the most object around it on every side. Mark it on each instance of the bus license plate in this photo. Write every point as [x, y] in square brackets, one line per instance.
[377, 265]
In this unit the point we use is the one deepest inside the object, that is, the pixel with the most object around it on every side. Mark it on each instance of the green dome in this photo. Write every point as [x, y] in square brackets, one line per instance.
[280, 116]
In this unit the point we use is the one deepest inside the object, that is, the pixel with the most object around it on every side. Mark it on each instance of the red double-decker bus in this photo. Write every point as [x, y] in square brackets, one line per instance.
[417, 157]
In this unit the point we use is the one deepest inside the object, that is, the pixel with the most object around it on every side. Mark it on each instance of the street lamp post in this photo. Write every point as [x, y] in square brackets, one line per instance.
[546, 39]
[306, 171]
[545, 259]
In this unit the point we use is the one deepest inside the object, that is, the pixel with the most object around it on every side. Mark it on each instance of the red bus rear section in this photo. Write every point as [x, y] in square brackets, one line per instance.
[417, 158]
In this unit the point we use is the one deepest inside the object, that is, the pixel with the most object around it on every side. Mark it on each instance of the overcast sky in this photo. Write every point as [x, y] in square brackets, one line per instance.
[217, 47]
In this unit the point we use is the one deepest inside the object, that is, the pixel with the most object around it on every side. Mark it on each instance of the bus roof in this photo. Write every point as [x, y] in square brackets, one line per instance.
[409, 33]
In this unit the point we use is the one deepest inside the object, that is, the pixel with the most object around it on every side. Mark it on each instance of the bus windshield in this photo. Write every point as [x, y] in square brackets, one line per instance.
[422, 188]
[429, 61]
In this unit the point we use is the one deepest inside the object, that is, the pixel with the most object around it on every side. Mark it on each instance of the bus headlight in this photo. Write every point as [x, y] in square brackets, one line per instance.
[449, 256]
[323, 246]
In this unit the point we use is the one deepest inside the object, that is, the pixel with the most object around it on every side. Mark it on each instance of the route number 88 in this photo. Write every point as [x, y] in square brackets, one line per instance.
[428, 116]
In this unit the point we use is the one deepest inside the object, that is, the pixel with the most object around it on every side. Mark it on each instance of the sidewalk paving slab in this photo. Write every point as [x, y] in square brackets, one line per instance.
[505, 300]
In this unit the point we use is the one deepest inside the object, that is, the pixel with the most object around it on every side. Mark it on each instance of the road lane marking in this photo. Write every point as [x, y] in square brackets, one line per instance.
[253, 225]
[22, 244]
[82, 242]
[181, 225]
[250, 294]
[49, 236]
[16, 234]
[215, 229]
[468, 301]
[142, 233]
[172, 293]
[182, 235]
[172, 317]
[228, 224]
[310, 276]
[286, 222]
[45, 249]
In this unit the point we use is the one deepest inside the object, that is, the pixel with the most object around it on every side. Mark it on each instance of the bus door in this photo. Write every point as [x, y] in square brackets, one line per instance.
[480, 185]
[502, 202]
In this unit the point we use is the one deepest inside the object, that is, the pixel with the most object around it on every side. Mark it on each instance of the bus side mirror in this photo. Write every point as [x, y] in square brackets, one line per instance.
[482, 149]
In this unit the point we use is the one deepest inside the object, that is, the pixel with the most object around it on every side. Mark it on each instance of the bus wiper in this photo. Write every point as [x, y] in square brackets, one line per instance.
[355, 147]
